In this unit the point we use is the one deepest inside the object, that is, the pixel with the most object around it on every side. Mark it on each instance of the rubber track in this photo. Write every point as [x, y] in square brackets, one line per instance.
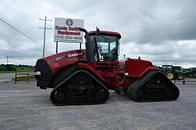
[94, 99]
[137, 87]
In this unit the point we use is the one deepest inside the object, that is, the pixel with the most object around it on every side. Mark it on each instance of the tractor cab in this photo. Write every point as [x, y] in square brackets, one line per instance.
[102, 46]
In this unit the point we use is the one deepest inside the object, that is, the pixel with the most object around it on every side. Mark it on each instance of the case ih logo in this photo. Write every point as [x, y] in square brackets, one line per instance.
[69, 22]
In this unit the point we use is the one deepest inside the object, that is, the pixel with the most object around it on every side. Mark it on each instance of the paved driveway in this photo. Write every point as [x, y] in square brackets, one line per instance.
[7, 77]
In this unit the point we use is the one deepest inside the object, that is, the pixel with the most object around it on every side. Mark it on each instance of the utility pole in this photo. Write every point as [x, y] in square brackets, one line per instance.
[57, 47]
[44, 40]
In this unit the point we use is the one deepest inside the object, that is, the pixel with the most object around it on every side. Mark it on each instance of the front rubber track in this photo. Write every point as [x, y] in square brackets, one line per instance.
[153, 87]
[81, 87]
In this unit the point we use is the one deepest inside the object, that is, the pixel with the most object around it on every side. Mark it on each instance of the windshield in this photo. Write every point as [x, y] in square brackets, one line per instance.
[107, 47]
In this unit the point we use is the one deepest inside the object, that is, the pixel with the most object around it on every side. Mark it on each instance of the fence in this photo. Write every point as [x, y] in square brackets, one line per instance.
[24, 74]
[21, 66]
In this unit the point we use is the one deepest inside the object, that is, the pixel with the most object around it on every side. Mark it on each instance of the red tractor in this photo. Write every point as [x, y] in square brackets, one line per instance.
[84, 76]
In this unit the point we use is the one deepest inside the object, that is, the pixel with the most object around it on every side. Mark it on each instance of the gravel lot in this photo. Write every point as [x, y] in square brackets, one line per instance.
[23, 106]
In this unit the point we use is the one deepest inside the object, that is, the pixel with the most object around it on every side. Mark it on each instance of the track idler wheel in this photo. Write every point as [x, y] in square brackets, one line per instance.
[58, 97]
[101, 96]
[153, 87]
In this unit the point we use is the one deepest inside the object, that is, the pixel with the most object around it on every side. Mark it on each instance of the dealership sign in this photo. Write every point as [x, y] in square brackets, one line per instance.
[66, 30]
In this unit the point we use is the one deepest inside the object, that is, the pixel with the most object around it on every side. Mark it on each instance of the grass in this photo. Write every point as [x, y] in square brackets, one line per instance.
[6, 72]
[17, 69]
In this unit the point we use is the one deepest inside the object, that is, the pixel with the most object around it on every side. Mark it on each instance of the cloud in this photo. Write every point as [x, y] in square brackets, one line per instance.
[154, 29]
[166, 21]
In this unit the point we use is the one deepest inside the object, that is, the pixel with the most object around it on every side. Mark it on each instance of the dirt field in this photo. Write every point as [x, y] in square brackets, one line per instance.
[23, 106]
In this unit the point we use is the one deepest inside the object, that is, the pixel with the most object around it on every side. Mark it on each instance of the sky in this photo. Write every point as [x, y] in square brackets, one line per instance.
[162, 31]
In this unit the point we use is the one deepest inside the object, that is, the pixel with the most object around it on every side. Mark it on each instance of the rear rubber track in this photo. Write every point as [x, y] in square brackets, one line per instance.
[154, 86]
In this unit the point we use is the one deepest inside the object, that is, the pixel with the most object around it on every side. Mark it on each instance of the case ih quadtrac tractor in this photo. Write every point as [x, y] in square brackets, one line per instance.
[85, 76]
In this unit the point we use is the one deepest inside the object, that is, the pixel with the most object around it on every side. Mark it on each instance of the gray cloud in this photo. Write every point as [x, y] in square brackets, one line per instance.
[168, 21]
[154, 29]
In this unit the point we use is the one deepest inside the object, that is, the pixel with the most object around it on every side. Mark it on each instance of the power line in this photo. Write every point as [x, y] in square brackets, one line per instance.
[17, 30]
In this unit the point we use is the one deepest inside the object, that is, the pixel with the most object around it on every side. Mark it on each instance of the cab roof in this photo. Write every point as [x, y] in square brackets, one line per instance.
[107, 33]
